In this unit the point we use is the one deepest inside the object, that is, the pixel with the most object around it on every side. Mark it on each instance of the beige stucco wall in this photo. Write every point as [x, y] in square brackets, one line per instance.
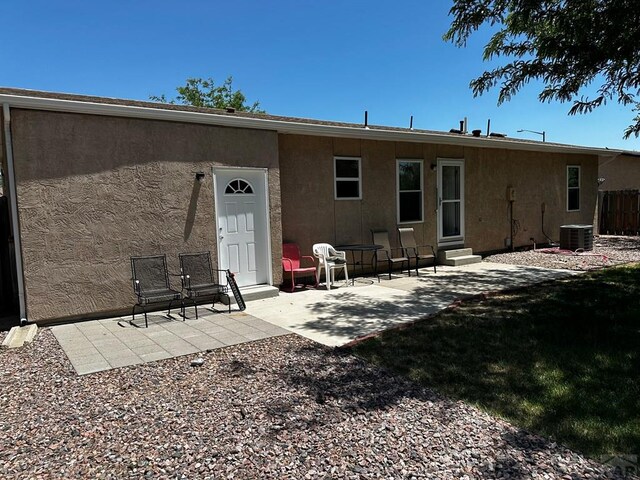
[310, 214]
[620, 173]
[93, 190]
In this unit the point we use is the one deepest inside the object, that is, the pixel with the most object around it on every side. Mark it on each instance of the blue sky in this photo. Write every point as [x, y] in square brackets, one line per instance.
[329, 60]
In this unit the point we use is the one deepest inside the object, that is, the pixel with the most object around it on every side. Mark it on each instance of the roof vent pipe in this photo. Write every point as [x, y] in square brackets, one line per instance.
[411, 123]
[488, 126]
[366, 119]
[464, 130]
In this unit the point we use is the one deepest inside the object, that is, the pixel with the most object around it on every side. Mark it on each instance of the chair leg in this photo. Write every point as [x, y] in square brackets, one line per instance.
[346, 275]
[293, 282]
[133, 315]
[169, 312]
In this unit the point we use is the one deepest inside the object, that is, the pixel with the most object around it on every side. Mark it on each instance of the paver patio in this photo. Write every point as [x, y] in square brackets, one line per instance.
[98, 345]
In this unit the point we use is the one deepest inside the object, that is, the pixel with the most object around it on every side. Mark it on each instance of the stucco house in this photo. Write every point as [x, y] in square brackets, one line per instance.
[620, 172]
[92, 181]
[619, 194]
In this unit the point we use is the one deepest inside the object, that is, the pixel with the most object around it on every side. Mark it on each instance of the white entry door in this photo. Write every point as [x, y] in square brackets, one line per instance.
[450, 202]
[242, 222]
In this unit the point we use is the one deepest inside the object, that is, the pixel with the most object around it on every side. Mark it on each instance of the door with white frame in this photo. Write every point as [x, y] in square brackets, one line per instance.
[243, 224]
[450, 202]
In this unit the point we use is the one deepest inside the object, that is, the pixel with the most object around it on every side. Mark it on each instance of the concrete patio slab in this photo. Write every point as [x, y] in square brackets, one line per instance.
[333, 318]
[339, 316]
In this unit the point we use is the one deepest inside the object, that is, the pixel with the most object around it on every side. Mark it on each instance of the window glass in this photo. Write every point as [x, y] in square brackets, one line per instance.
[573, 188]
[347, 178]
[238, 186]
[574, 177]
[450, 219]
[347, 189]
[574, 199]
[347, 168]
[410, 195]
[409, 175]
[450, 182]
[410, 206]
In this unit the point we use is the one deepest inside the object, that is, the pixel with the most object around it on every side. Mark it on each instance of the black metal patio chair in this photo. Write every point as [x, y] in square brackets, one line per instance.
[200, 280]
[151, 284]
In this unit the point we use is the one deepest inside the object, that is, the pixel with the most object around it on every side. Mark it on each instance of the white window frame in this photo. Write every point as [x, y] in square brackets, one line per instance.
[578, 188]
[411, 160]
[337, 179]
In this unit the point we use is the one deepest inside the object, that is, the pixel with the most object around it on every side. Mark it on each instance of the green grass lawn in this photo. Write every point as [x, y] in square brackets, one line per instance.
[560, 359]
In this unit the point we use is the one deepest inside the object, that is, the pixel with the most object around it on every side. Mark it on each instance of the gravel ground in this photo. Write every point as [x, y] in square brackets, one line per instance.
[607, 251]
[278, 408]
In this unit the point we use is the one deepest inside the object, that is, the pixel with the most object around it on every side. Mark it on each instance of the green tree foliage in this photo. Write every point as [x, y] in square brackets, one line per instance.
[200, 92]
[565, 44]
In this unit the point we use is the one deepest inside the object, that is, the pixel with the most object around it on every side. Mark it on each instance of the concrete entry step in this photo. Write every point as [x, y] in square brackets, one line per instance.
[458, 256]
[18, 336]
[257, 292]
[456, 252]
[463, 260]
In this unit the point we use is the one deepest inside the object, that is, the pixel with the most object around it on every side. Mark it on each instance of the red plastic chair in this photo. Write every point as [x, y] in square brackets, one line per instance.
[291, 263]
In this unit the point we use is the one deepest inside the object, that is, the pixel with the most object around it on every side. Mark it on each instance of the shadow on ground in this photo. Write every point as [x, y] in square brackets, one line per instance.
[349, 313]
[562, 359]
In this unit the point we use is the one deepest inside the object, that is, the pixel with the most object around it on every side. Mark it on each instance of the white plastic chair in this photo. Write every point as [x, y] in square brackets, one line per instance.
[330, 260]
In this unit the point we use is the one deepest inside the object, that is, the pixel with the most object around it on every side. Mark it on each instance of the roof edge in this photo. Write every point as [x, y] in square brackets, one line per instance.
[288, 126]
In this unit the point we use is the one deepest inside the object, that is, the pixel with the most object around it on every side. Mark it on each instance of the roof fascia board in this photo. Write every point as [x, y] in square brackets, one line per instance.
[285, 127]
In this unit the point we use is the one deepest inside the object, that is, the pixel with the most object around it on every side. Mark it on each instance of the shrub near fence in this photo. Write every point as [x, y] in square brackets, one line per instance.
[620, 212]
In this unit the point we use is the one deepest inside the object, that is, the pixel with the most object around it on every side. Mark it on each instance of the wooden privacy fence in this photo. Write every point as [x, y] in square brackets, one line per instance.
[620, 212]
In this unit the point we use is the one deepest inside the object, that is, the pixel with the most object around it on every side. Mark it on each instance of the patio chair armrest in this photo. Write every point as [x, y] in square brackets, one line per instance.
[382, 254]
[136, 287]
[430, 247]
[342, 255]
[309, 257]
[222, 276]
[287, 264]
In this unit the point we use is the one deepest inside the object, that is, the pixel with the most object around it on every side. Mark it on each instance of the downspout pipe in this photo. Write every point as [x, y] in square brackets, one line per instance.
[13, 201]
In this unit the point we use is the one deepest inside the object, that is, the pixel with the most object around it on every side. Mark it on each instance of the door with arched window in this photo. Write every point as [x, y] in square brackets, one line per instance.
[242, 223]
